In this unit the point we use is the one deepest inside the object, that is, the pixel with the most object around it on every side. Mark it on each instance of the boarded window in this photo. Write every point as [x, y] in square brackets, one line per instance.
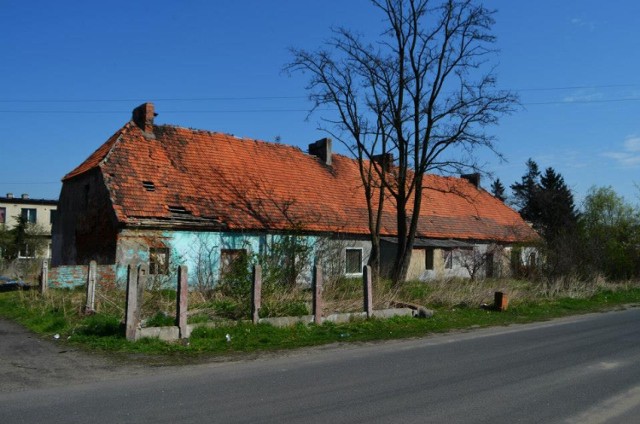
[159, 261]
[353, 261]
[448, 258]
[232, 261]
[516, 262]
[428, 260]
[489, 265]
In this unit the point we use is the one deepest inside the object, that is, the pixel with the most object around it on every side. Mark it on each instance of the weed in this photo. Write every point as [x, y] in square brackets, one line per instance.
[456, 303]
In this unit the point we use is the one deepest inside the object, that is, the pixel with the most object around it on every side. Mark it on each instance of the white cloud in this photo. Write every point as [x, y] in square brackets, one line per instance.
[584, 95]
[632, 144]
[629, 156]
[581, 23]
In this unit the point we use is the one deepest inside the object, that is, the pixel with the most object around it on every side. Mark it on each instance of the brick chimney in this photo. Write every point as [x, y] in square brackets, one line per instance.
[322, 149]
[143, 117]
[472, 178]
[385, 160]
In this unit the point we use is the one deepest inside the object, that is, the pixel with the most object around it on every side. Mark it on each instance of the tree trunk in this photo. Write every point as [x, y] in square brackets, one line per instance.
[403, 255]
[374, 257]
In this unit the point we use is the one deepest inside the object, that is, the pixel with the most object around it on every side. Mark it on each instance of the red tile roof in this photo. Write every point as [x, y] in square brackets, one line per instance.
[189, 177]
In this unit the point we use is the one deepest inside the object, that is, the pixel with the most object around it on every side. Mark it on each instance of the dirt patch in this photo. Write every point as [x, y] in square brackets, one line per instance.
[28, 361]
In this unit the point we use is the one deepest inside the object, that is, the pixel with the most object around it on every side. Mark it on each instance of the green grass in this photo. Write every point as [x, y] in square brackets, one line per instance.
[103, 332]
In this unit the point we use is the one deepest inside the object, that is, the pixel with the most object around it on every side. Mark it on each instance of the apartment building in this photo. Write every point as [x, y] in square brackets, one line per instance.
[41, 212]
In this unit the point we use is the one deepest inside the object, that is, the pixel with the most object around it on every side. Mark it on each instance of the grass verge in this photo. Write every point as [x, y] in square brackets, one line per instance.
[102, 332]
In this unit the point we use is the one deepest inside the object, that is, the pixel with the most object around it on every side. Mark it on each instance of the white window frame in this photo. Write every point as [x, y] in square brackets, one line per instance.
[353, 274]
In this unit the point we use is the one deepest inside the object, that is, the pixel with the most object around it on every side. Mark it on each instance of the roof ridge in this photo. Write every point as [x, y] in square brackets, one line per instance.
[234, 137]
[97, 157]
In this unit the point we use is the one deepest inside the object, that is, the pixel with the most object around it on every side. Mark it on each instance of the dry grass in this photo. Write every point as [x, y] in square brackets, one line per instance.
[345, 295]
[455, 292]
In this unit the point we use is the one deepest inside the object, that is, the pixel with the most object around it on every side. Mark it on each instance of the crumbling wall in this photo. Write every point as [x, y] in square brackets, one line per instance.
[86, 226]
[68, 276]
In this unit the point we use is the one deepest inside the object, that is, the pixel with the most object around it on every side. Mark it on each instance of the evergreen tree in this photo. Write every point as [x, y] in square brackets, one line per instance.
[497, 189]
[557, 210]
[545, 201]
[525, 193]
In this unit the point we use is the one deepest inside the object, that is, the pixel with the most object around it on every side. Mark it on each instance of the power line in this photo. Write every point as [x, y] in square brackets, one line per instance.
[29, 183]
[242, 98]
[577, 87]
[163, 111]
[553, 102]
[568, 102]
[174, 99]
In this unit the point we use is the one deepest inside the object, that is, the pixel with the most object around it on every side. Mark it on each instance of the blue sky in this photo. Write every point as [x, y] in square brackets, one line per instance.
[71, 72]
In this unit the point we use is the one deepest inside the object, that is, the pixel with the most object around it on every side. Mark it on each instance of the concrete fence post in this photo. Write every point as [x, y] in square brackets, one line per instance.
[256, 294]
[317, 293]
[183, 297]
[136, 281]
[44, 277]
[89, 306]
[368, 291]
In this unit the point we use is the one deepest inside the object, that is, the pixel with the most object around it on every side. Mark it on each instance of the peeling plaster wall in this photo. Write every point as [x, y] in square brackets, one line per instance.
[417, 265]
[201, 251]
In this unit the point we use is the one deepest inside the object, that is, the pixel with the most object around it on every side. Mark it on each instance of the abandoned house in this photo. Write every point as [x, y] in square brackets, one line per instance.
[167, 196]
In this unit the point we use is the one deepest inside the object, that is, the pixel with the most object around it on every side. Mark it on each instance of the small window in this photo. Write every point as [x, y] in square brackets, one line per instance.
[29, 215]
[3, 215]
[52, 216]
[149, 185]
[232, 261]
[353, 261]
[159, 261]
[428, 259]
[448, 258]
[178, 209]
[26, 251]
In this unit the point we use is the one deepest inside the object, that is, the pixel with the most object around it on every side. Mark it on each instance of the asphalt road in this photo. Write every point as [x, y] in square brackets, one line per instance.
[579, 370]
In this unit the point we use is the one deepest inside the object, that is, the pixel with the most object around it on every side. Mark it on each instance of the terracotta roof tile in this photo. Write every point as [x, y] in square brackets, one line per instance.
[254, 185]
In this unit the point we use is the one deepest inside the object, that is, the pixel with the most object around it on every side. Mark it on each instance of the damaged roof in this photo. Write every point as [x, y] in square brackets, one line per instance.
[182, 177]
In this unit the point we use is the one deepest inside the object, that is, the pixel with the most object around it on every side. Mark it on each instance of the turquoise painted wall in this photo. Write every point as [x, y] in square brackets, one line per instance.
[199, 251]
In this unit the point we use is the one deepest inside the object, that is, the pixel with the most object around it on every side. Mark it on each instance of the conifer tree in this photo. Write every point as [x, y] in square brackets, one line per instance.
[497, 189]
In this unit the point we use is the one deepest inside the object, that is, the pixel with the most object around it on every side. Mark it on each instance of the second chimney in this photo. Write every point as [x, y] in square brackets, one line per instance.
[143, 117]
[385, 160]
[322, 149]
[472, 178]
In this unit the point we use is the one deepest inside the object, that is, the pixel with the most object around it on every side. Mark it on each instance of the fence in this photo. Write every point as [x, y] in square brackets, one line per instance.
[137, 275]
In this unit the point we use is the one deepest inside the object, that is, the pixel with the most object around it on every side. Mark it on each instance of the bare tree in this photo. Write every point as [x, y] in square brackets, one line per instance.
[477, 261]
[417, 95]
